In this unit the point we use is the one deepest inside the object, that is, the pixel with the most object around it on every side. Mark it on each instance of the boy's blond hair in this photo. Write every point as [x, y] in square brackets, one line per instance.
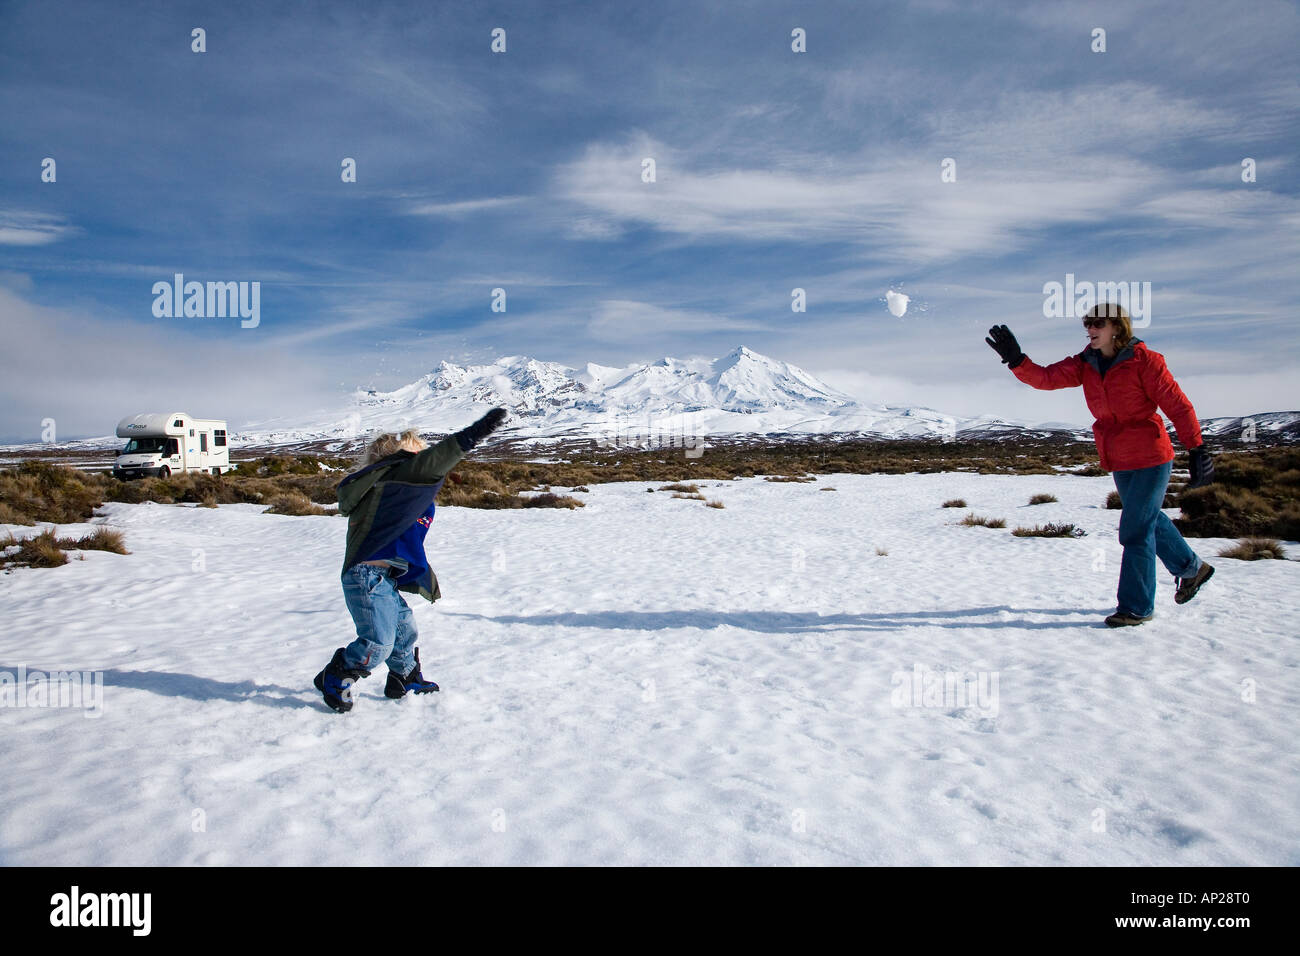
[381, 446]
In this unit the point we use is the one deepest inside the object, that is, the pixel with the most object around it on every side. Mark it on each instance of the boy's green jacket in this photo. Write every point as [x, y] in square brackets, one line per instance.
[383, 499]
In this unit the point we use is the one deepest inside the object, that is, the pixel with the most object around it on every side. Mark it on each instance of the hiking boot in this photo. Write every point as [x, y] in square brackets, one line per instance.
[414, 682]
[1125, 619]
[336, 680]
[1187, 587]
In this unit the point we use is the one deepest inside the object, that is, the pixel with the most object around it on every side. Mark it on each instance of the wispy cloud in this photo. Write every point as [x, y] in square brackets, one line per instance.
[32, 229]
[464, 208]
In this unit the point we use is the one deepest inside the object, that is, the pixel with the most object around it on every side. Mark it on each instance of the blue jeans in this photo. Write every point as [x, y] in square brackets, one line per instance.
[1147, 533]
[385, 625]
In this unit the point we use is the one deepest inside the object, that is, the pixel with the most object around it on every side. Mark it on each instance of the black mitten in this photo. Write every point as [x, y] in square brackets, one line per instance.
[1200, 467]
[1004, 343]
[471, 435]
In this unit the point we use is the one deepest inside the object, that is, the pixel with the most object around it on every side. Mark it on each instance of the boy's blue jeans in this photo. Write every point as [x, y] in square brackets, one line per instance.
[385, 625]
[1147, 533]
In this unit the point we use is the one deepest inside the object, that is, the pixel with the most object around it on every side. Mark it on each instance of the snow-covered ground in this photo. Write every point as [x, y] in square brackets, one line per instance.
[648, 680]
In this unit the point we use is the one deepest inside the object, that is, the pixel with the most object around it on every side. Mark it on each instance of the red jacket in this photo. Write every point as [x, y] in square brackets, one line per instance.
[1128, 429]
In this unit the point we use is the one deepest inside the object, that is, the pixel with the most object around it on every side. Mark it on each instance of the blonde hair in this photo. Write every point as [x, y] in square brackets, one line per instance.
[381, 446]
[1119, 318]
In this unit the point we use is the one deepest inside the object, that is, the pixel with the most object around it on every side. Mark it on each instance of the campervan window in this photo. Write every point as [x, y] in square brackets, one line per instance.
[143, 446]
[219, 437]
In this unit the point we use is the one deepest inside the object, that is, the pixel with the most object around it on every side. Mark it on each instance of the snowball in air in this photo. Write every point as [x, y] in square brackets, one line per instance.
[897, 302]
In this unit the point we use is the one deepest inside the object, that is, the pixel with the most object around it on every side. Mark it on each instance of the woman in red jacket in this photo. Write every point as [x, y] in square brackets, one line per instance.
[1124, 382]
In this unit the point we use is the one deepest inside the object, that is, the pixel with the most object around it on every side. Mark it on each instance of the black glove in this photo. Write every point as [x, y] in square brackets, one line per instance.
[1004, 343]
[1200, 467]
[471, 435]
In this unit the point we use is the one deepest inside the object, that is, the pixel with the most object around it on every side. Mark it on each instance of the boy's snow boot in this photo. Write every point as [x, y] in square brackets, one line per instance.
[1125, 619]
[414, 682]
[1187, 587]
[336, 680]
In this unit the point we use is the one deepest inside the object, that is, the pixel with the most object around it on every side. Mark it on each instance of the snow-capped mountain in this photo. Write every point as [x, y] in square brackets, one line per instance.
[671, 400]
[742, 393]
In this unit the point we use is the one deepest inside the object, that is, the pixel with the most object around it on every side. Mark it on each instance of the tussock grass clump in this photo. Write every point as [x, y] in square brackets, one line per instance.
[294, 503]
[714, 503]
[550, 500]
[46, 551]
[1255, 549]
[1049, 530]
[882, 552]
[955, 503]
[1256, 494]
[511, 502]
[1225, 512]
[828, 488]
[973, 520]
[686, 489]
[101, 539]
[38, 551]
[789, 478]
[1113, 502]
[473, 489]
[36, 491]
[694, 497]
[582, 488]
[1043, 499]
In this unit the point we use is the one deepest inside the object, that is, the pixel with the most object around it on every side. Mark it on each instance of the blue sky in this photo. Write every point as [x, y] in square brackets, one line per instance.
[775, 170]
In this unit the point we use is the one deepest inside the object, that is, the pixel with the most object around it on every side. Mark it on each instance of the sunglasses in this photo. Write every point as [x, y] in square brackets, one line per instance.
[1099, 323]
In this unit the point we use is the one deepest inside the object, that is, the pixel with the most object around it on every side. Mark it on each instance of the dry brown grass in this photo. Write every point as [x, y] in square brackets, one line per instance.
[714, 503]
[549, 500]
[294, 503]
[955, 503]
[38, 551]
[1255, 549]
[684, 489]
[35, 491]
[1042, 499]
[101, 539]
[44, 550]
[973, 520]
[1256, 494]
[1049, 530]
[695, 497]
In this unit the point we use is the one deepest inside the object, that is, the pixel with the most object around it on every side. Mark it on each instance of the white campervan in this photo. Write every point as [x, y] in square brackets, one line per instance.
[162, 444]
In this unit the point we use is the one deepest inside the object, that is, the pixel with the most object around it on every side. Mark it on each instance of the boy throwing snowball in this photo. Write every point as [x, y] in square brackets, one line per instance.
[389, 504]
